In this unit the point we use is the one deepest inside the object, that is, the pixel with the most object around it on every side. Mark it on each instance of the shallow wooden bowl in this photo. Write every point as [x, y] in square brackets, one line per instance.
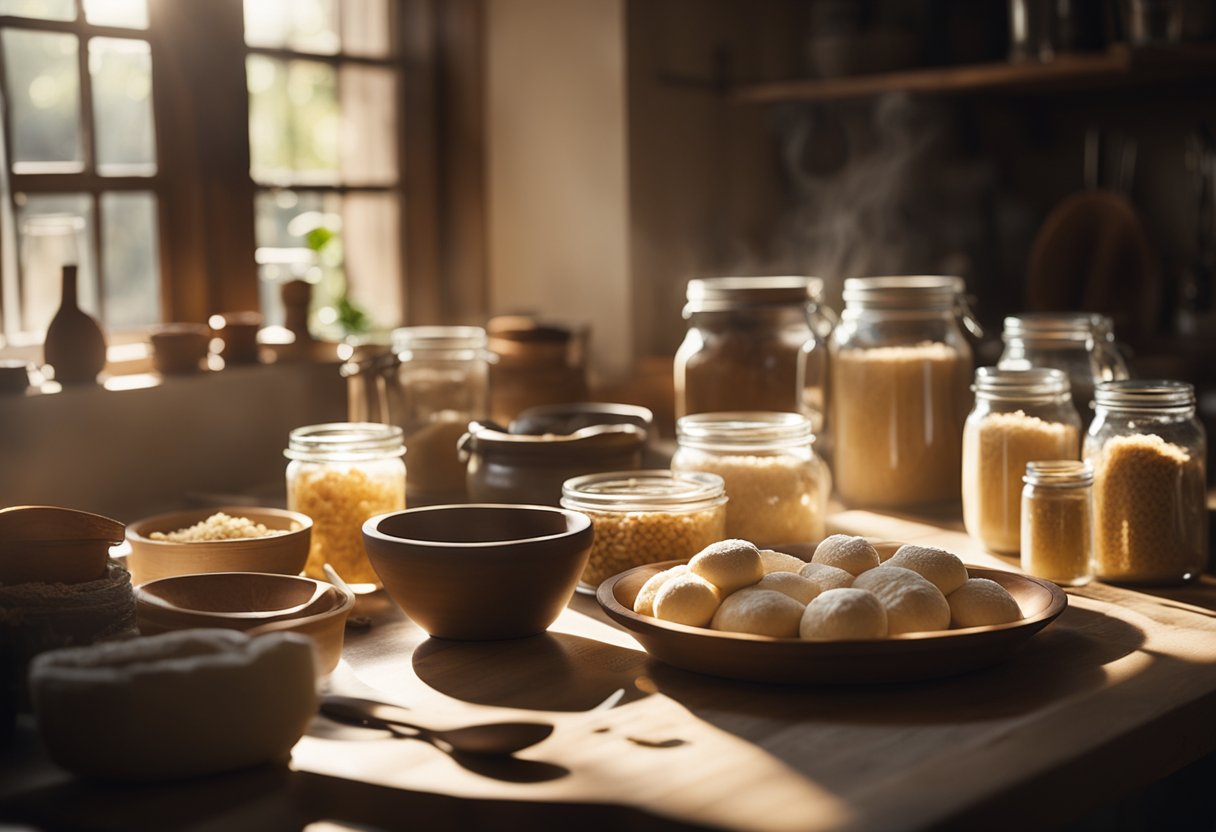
[480, 571]
[283, 554]
[53, 545]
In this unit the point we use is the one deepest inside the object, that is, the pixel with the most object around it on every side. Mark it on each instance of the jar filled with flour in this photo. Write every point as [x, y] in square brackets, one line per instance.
[900, 371]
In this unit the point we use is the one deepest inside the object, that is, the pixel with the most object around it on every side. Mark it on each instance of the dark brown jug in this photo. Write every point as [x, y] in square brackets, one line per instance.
[75, 345]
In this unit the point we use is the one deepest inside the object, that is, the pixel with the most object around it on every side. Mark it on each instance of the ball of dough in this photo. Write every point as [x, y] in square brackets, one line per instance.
[942, 569]
[852, 554]
[728, 564]
[761, 612]
[980, 602]
[913, 604]
[687, 599]
[844, 613]
[643, 604]
[775, 561]
[797, 587]
[826, 577]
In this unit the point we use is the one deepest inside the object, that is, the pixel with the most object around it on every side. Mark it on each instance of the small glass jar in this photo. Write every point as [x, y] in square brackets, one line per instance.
[901, 369]
[1019, 416]
[759, 340]
[776, 486]
[1148, 452]
[643, 517]
[341, 474]
[1057, 521]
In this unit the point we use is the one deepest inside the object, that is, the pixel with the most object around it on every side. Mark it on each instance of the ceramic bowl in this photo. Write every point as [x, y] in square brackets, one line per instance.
[284, 554]
[480, 571]
[252, 602]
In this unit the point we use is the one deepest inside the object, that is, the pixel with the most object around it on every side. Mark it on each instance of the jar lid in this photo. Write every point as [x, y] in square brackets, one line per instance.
[1054, 326]
[448, 339]
[1030, 384]
[718, 294]
[1145, 395]
[904, 292]
[743, 430]
[593, 440]
[345, 442]
[655, 490]
[1059, 472]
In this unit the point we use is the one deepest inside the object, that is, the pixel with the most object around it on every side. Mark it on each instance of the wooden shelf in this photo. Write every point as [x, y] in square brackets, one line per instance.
[1118, 66]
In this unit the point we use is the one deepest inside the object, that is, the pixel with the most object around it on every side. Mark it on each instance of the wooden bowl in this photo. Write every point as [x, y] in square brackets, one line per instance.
[251, 602]
[179, 348]
[282, 554]
[901, 658]
[480, 571]
[53, 545]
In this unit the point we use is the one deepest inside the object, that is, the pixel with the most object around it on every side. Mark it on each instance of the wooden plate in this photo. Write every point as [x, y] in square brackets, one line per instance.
[900, 658]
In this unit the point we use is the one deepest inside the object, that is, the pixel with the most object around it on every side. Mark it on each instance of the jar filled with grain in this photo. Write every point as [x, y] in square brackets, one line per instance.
[1057, 527]
[1019, 416]
[1148, 452]
[901, 369]
[341, 474]
[777, 488]
[759, 340]
[643, 517]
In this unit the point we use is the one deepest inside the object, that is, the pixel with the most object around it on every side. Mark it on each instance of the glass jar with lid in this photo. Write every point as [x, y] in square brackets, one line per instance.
[901, 369]
[777, 488]
[1019, 416]
[753, 340]
[643, 517]
[341, 474]
[1057, 524]
[1148, 452]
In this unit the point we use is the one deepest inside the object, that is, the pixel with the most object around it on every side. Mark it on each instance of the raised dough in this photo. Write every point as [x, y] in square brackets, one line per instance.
[827, 577]
[852, 554]
[774, 561]
[644, 603]
[761, 612]
[981, 602]
[797, 587]
[913, 604]
[844, 614]
[687, 599]
[942, 569]
[728, 564]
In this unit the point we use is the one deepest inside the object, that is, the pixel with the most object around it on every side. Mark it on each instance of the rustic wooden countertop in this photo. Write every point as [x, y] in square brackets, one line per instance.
[1118, 692]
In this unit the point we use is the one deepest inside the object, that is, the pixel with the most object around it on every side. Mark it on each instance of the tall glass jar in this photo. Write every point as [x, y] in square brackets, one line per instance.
[901, 369]
[757, 341]
[777, 488]
[1057, 521]
[341, 474]
[1149, 454]
[1019, 416]
[643, 517]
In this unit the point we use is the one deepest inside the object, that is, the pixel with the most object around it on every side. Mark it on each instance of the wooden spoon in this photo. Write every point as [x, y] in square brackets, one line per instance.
[48, 544]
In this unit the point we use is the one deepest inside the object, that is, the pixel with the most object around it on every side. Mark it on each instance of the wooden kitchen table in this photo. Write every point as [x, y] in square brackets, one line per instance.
[1118, 692]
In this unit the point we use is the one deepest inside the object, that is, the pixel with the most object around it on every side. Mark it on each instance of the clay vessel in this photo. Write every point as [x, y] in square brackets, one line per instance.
[75, 345]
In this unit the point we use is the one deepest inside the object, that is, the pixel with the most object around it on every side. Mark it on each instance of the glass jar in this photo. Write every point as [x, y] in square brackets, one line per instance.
[901, 369]
[1057, 527]
[777, 488]
[1019, 416]
[758, 340]
[643, 517]
[1148, 452]
[1111, 363]
[341, 474]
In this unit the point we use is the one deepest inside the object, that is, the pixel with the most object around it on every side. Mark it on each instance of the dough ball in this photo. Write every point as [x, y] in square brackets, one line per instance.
[942, 569]
[827, 577]
[761, 612]
[852, 554]
[687, 599]
[980, 602]
[913, 604]
[728, 564]
[845, 613]
[644, 603]
[797, 587]
[774, 561]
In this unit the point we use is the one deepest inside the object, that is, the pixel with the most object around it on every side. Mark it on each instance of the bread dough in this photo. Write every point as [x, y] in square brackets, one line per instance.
[942, 569]
[845, 613]
[687, 599]
[981, 602]
[797, 587]
[852, 554]
[761, 612]
[644, 603]
[827, 577]
[913, 604]
[775, 561]
[728, 564]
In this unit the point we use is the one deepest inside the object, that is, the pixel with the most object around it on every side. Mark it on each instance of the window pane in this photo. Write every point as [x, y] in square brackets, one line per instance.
[42, 9]
[54, 230]
[131, 264]
[122, 106]
[45, 85]
[371, 235]
[365, 28]
[369, 130]
[293, 121]
[130, 14]
[281, 254]
[301, 25]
